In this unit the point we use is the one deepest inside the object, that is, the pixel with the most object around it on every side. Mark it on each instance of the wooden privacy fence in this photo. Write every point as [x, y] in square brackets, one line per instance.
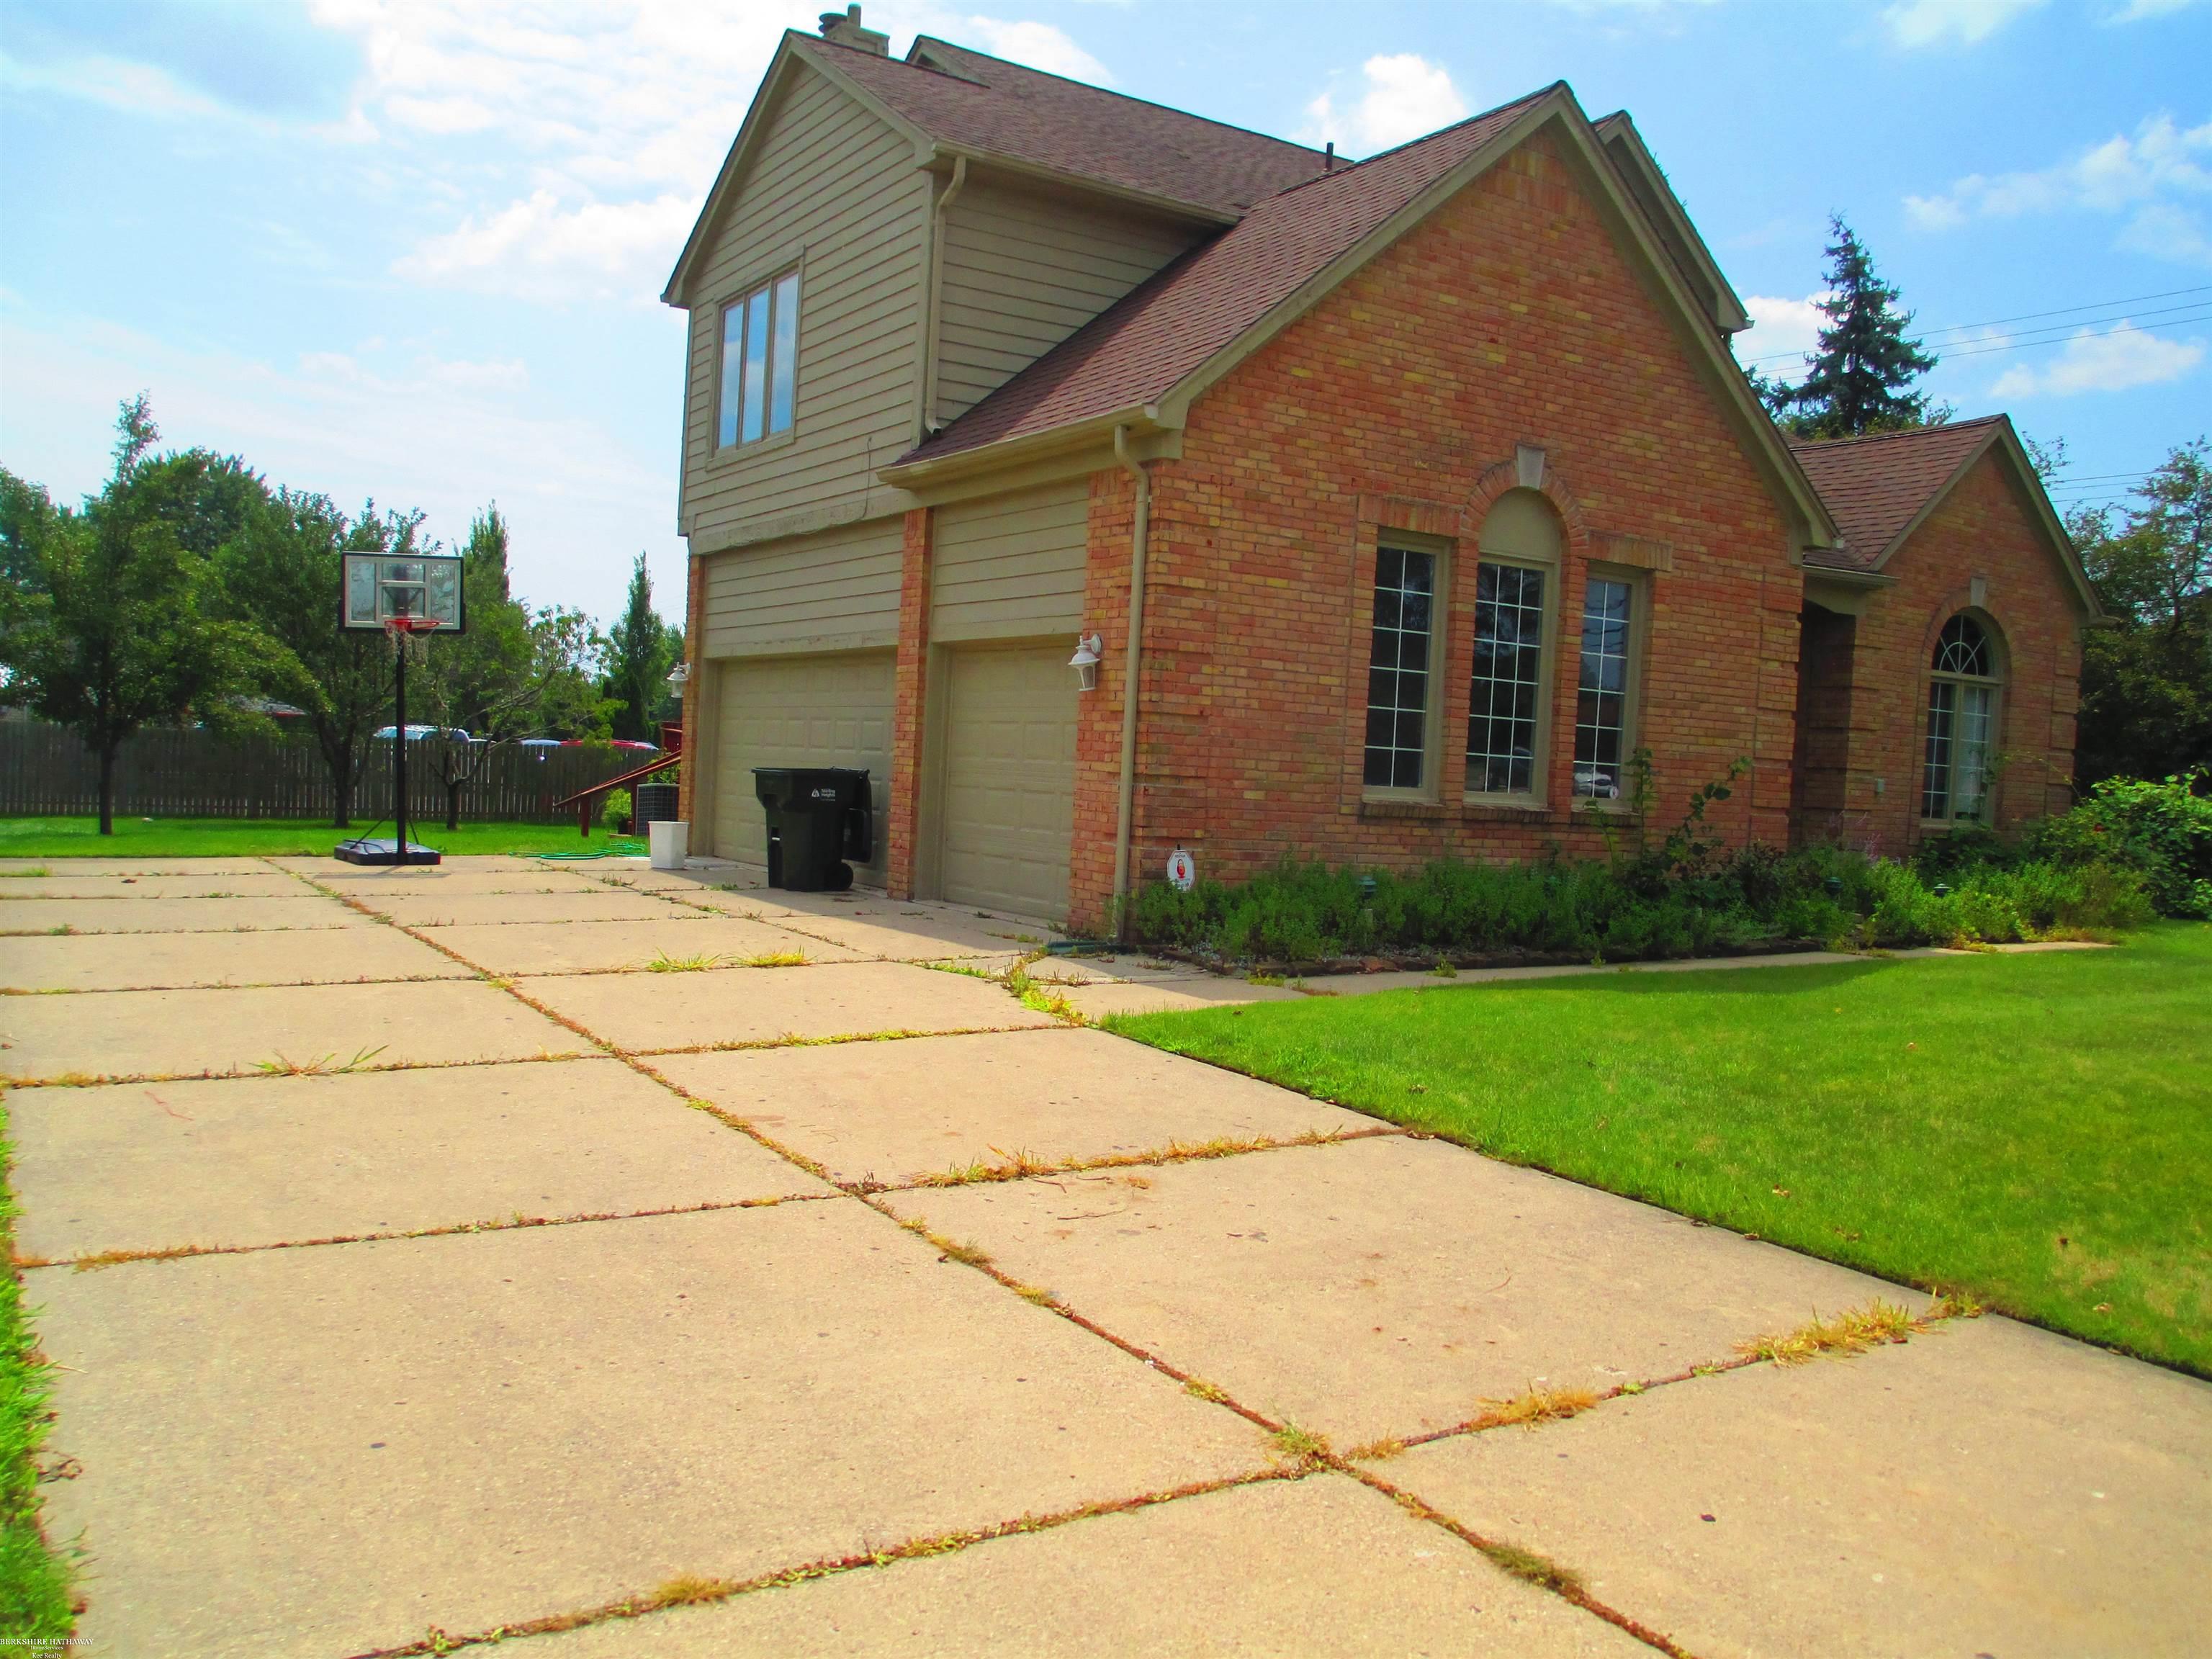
[47, 770]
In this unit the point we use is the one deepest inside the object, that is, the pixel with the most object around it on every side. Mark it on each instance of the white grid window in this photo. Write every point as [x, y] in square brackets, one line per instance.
[1961, 723]
[1601, 691]
[1398, 668]
[1507, 679]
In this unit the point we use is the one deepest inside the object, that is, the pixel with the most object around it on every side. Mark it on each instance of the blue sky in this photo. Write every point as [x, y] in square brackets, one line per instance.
[413, 250]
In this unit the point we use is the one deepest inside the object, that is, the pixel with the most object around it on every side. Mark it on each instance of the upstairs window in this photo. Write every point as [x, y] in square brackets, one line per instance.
[1398, 674]
[1962, 713]
[760, 352]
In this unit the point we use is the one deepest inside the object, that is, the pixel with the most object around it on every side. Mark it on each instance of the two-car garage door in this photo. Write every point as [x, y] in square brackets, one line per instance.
[1007, 771]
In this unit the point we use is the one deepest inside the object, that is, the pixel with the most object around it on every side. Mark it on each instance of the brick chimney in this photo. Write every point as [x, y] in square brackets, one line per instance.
[843, 28]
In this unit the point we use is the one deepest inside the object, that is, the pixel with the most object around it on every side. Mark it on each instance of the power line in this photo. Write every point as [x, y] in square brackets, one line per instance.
[2096, 334]
[2029, 316]
[2065, 311]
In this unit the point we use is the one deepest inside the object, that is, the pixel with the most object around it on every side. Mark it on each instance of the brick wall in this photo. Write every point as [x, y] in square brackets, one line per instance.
[695, 687]
[910, 689]
[1510, 317]
[1984, 529]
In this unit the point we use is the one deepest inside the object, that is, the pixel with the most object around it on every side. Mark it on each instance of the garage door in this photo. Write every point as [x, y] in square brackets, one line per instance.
[798, 711]
[1009, 802]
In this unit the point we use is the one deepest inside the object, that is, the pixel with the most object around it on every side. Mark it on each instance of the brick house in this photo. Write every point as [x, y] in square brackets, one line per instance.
[1414, 496]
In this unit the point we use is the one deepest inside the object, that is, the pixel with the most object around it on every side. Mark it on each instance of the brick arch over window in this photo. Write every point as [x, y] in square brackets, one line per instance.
[1506, 476]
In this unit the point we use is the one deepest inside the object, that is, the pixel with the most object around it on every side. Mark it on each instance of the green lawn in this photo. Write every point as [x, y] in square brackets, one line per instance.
[34, 1581]
[2035, 1129]
[175, 838]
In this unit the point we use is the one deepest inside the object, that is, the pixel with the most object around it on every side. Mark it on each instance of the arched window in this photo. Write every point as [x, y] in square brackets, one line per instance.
[1962, 717]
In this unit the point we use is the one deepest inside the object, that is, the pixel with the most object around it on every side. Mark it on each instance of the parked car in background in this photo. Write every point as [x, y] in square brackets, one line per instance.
[417, 733]
[635, 746]
[539, 746]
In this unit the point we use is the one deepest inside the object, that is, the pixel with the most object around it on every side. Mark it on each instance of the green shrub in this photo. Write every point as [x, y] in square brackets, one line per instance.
[616, 808]
[2162, 831]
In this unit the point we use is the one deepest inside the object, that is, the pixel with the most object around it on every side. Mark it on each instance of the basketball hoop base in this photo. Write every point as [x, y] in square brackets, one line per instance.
[385, 852]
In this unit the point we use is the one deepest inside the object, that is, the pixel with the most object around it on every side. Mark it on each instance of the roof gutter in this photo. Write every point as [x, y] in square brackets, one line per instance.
[930, 353]
[1125, 797]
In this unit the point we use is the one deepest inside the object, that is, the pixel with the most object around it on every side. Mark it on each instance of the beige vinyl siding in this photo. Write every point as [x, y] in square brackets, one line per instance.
[834, 591]
[1022, 271]
[829, 710]
[1010, 566]
[834, 188]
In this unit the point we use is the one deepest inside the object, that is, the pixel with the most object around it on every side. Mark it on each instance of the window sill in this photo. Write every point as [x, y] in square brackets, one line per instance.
[733, 454]
[1514, 806]
[1400, 807]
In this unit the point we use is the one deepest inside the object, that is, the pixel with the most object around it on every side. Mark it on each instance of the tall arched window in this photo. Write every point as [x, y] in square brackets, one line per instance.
[1962, 717]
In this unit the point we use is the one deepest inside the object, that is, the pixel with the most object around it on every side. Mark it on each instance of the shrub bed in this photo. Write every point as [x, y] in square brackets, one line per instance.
[2128, 852]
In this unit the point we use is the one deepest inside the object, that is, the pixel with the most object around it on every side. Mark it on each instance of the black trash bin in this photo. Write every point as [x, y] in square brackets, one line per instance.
[818, 817]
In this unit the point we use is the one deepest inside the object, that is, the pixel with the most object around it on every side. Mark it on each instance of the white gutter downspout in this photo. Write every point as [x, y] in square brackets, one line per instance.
[1126, 804]
[937, 292]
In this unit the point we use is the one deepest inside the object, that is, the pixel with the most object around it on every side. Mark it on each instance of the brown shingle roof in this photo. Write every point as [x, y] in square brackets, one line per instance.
[1877, 485]
[1142, 346]
[1071, 128]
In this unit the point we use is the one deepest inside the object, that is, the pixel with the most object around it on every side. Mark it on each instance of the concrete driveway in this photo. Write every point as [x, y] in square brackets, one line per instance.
[648, 1264]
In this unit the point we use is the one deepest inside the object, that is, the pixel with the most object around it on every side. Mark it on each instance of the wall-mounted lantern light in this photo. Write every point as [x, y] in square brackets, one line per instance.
[1084, 662]
[678, 678]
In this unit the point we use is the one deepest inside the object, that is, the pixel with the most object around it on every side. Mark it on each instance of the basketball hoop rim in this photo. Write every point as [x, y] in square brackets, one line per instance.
[411, 624]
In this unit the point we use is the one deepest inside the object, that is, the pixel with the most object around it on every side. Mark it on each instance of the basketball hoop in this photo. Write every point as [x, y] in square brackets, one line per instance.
[404, 595]
[399, 627]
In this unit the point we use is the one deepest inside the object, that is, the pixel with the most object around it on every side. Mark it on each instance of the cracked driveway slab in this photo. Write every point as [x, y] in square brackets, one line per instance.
[889, 930]
[66, 884]
[449, 880]
[1388, 1286]
[132, 961]
[571, 947]
[1322, 1565]
[150, 1166]
[222, 1033]
[856, 1108]
[1984, 1488]
[643, 1013]
[75, 866]
[413, 909]
[309, 910]
[471, 1430]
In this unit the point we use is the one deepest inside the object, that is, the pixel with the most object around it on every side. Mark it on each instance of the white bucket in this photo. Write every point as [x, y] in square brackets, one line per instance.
[671, 839]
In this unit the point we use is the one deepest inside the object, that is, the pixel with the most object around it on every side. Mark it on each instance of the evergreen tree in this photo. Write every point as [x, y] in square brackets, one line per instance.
[1861, 379]
[484, 555]
[640, 650]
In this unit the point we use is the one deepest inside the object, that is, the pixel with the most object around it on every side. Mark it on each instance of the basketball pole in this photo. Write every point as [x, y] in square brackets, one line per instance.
[399, 740]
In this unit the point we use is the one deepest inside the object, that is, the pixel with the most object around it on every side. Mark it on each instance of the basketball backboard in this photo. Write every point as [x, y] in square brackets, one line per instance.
[421, 591]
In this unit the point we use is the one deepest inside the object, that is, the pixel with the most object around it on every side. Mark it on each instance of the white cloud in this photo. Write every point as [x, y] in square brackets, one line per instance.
[2112, 361]
[453, 431]
[1916, 23]
[114, 82]
[1038, 44]
[1779, 325]
[2137, 10]
[1404, 97]
[2155, 177]
[542, 248]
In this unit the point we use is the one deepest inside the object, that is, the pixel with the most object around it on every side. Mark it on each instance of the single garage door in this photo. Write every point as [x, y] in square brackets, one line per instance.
[1009, 802]
[798, 711]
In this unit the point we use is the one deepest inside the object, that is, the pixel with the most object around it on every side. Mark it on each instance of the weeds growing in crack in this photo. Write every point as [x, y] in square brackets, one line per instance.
[1852, 1331]
[1532, 1568]
[1020, 1165]
[968, 1255]
[1536, 1406]
[1212, 1393]
[284, 1066]
[665, 964]
[1376, 1451]
[1036, 1293]
[775, 959]
[1300, 1447]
